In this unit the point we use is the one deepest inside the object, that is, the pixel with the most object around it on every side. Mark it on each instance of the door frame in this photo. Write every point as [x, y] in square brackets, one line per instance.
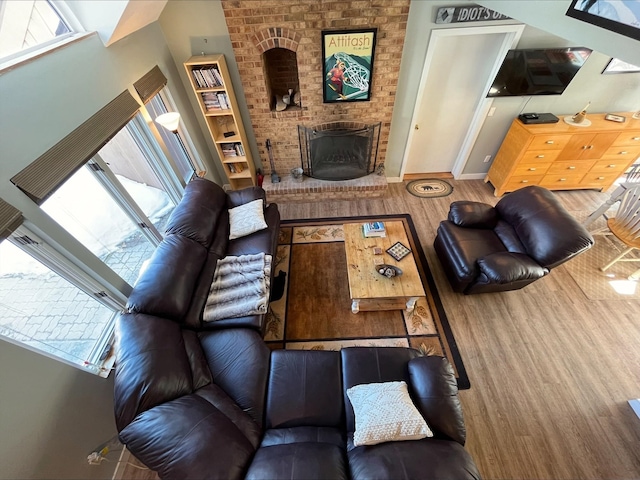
[512, 33]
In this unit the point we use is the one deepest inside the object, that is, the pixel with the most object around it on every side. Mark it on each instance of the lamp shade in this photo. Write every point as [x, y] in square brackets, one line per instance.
[169, 120]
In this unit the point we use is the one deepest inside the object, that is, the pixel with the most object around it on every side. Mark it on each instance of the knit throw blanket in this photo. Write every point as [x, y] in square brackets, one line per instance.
[240, 287]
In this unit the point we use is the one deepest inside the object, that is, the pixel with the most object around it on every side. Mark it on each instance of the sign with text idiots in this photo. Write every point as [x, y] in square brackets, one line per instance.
[470, 13]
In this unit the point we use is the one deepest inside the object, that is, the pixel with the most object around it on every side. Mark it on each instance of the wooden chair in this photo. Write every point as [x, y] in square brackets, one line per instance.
[632, 177]
[625, 226]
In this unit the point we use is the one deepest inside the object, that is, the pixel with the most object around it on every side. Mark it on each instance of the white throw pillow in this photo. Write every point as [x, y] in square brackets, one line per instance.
[246, 219]
[385, 413]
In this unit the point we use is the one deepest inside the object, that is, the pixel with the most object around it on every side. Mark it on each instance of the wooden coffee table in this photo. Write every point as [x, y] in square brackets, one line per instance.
[368, 289]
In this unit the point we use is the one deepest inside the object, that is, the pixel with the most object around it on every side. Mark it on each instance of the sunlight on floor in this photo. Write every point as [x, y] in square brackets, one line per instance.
[624, 287]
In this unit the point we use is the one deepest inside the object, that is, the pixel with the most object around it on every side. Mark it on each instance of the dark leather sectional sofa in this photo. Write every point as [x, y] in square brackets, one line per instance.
[195, 400]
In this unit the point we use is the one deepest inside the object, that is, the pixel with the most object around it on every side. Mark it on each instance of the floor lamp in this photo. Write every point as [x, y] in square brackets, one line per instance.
[170, 121]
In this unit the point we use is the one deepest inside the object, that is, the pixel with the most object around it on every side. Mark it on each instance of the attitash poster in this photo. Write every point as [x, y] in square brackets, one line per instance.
[348, 65]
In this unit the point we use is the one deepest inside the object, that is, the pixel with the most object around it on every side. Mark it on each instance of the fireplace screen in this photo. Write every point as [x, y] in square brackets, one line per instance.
[339, 153]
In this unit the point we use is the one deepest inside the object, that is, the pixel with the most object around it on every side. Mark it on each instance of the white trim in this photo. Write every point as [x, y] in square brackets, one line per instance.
[394, 179]
[513, 33]
[471, 176]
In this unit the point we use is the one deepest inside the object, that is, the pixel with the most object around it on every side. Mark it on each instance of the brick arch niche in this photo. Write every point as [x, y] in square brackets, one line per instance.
[278, 48]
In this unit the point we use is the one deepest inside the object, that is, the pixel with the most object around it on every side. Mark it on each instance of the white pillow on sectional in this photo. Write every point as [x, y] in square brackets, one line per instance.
[246, 219]
[384, 412]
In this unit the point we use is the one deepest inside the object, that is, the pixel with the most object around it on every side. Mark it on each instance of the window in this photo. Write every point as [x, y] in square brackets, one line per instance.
[27, 25]
[179, 145]
[48, 305]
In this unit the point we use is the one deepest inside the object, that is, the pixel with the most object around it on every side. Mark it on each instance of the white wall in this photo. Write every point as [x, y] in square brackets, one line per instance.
[53, 415]
[606, 92]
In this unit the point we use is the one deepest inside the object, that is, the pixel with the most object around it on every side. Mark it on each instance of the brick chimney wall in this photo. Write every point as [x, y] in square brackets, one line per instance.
[258, 25]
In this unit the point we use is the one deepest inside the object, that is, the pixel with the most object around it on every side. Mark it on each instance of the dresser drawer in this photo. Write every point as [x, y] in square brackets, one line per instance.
[623, 153]
[527, 169]
[631, 137]
[559, 181]
[532, 156]
[515, 183]
[595, 179]
[609, 166]
[570, 167]
[549, 142]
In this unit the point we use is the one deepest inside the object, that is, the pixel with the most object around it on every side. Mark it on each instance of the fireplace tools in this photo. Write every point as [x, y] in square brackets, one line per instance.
[275, 178]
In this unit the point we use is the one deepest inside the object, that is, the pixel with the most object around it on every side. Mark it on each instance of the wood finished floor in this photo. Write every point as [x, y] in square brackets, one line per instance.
[550, 370]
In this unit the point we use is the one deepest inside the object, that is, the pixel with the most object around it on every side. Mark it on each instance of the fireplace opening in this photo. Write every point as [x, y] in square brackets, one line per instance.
[335, 152]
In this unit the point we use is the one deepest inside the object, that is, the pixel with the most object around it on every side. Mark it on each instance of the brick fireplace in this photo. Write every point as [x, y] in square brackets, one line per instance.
[277, 46]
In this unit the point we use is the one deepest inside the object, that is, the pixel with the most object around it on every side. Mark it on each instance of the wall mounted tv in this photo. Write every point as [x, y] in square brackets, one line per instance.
[538, 71]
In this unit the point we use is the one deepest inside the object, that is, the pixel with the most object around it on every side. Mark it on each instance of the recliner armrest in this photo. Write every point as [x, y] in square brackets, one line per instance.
[473, 215]
[435, 390]
[508, 267]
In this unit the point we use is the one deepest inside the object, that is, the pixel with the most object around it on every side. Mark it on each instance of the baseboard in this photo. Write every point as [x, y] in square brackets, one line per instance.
[420, 176]
[394, 180]
[472, 176]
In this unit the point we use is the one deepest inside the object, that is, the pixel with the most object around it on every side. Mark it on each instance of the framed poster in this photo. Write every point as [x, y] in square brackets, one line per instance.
[347, 61]
[620, 16]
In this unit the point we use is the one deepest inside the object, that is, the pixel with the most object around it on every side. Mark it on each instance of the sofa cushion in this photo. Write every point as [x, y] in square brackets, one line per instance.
[304, 389]
[283, 436]
[372, 365]
[239, 362]
[215, 396]
[197, 214]
[435, 391]
[427, 458]
[246, 219]
[152, 365]
[188, 438]
[465, 245]
[385, 413]
[166, 286]
[261, 241]
[299, 460]
[548, 232]
[200, 372]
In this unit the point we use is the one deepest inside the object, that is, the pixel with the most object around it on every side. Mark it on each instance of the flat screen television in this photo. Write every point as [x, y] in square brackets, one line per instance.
[538, 71]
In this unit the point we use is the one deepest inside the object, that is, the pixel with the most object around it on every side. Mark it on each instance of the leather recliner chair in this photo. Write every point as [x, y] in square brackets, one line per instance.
[506, 247]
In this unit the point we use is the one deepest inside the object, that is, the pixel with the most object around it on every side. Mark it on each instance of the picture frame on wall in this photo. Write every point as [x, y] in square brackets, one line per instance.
[616, 65]
[347, 60]
[622, 17]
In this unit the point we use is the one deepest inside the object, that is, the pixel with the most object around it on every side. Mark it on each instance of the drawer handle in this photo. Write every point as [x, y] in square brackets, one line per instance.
[584, 147]
[623, 153]
[532, 169]
[524, 181]
[600, 178]
[539, 156]
[590, 147]
[571, 167]
[611, 166]
[635, 138]
[550, 142]
[562, 180]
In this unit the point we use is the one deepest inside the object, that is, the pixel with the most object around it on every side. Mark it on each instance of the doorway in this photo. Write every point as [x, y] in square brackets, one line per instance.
[451, 103]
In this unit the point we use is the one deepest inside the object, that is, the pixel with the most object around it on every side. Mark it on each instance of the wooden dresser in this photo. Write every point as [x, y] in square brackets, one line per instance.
[559, 156]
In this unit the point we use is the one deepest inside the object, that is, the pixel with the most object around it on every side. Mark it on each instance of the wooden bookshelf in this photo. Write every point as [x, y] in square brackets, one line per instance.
[211, 84]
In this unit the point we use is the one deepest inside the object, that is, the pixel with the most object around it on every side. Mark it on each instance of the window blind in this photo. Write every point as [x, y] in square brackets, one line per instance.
[149, 85]
[10, 219]
[55, 166]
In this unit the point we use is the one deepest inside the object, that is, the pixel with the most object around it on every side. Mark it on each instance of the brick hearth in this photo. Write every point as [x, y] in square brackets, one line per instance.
[310, 189]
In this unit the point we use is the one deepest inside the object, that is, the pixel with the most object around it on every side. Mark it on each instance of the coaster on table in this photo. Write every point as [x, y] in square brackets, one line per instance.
[398, 251]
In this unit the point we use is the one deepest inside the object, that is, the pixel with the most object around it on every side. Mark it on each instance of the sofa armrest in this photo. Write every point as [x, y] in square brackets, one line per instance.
[434, 388]
[152, 366]
[473, 215]
[236, 198]
[509, 267]
[188, 438]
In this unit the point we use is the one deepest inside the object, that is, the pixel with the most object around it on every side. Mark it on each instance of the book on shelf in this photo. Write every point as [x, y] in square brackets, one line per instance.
[211, 101]
[207, 76]
[374, 229]
[223, 101]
